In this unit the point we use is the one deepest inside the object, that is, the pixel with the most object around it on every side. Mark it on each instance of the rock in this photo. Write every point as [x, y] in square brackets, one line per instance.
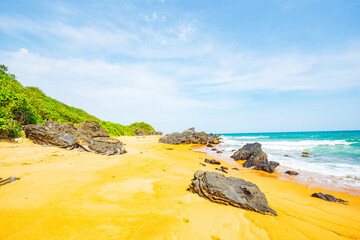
[169, 149]
[222, 169]
[143, 133]
[219, 151]
[213, 149]
[267, 167]
[203, 164]
[209, 145]
[287, 155]
[305, 155]
[236, 169]
[292, 173]
[255, 157]
[212, 161]
[87, 136]
[328, 197]
[230, 191]
[8, 180]
[252, 153]
[190, 136]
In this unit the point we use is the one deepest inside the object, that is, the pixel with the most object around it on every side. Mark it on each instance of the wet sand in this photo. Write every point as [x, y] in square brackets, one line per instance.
[65, 194]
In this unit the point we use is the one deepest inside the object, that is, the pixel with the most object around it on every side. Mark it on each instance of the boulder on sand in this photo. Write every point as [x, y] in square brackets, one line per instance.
[86, 136]
[328, 197]
[230, 191]
[189, 136]
[255, 157]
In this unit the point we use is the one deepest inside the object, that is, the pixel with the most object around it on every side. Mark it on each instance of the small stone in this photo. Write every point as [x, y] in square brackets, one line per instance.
[292, 172]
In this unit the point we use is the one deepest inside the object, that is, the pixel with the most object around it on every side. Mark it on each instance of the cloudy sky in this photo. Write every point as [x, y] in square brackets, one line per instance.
[220, 66]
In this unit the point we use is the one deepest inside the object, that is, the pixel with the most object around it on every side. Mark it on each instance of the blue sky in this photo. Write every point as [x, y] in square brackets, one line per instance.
[220, 66]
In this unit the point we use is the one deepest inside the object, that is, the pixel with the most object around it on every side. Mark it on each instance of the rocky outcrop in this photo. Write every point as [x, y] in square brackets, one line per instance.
[189, 136]
[230, 191]
[328, 197]
[86, 136]
[255, 157]
[267, 167]
[143, 133]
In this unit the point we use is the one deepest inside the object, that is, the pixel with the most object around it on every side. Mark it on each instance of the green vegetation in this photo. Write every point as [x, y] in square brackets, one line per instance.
[29, 105]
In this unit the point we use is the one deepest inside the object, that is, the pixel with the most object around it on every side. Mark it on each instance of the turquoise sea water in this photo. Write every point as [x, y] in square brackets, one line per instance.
[334, 156]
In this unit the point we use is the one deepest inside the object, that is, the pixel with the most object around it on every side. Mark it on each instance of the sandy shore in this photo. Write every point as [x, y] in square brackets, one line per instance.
[142, 195]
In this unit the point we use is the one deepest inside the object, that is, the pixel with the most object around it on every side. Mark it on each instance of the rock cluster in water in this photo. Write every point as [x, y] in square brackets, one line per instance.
[86, 136]
[255, 157]
[190, 136]
[230, 191]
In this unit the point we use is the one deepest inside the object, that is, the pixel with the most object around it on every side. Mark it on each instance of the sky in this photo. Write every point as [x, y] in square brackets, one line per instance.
[221, 66]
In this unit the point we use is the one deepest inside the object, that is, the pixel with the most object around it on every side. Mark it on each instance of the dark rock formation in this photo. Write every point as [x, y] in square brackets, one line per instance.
[287, 155]
[222, 169]
[189, 136]
[236, 169]
[292, 172]
[143, 133]
[255, 157]
[230, 191]
[252, 153]
[328, 197]
[209, 145]
[304, 155]
[8, 180]
[86, 136]
[267, 167]
[212, 161]
[219, 151]
[203, 164]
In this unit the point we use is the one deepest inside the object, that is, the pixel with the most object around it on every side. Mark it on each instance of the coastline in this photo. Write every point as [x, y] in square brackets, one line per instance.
[142, 194]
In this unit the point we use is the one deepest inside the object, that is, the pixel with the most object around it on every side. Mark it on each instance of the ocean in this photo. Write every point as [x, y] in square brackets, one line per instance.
[334, 156]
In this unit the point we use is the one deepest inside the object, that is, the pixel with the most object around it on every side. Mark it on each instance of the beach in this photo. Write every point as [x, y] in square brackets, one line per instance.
[142, 194]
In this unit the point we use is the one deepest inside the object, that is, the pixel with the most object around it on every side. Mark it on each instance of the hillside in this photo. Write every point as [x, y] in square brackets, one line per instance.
[21, 105]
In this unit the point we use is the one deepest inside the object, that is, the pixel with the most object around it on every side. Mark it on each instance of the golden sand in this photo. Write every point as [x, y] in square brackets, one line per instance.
[142, 195]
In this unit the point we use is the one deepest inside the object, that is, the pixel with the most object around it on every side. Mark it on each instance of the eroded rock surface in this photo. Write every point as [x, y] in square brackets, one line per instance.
[190, 136]
[328, 197]
[8, 180]
[86, 136]
[230, 191]
[255, 157]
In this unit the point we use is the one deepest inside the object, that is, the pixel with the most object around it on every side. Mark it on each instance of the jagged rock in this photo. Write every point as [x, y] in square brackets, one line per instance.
[8, 180]
[189, 136]
[143, 133]
[212, 161]
[255, 157]
[328, 197]
[87, 136]
[222, 169]
[236, 169]
[267, 167]
[209, 145]
[305, 153]
[292, 172]
[252, 153]
[230, 191]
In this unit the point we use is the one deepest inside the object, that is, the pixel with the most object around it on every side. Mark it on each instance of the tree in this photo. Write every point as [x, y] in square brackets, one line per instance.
[3, 68]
